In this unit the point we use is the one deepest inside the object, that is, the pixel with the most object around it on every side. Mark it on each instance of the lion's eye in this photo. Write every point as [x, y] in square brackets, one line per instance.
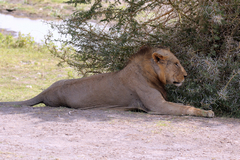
[177, 64]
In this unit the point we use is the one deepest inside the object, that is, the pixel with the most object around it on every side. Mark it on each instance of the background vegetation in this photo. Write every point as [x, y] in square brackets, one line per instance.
[204, 35]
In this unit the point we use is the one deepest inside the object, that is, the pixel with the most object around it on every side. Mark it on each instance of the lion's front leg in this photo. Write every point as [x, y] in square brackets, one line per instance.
[156, 104]
[180, 109]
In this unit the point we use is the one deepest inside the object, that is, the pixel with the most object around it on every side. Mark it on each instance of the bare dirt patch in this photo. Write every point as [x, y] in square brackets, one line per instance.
[61, 133]
[37, 10]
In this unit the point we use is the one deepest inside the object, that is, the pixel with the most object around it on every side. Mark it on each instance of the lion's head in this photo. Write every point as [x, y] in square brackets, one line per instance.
[168, 67]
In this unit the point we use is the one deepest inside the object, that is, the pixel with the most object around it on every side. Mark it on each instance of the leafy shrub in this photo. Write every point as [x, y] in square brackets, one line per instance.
[205, 36]
[210, 50]
[22, 41]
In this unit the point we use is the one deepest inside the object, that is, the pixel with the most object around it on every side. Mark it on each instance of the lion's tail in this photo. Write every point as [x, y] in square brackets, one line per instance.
[31, 102]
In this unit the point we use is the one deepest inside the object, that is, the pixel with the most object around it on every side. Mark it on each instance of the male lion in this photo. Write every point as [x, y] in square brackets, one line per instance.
[139, 85]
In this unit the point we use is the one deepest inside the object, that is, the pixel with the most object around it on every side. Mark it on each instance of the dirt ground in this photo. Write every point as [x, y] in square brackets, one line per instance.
[67, 134]
[36, 10]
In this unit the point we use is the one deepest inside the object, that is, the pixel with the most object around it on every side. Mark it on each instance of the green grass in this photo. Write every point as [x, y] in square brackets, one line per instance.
[58, 1]
[26, 71]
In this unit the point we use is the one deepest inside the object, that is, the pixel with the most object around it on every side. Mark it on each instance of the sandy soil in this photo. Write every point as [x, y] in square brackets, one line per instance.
[66, 134]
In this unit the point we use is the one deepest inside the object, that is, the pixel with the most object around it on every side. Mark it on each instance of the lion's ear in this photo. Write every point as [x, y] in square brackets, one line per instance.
[158, 58]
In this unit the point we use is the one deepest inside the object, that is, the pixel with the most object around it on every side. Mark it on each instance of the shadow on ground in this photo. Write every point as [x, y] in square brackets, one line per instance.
[63, 114]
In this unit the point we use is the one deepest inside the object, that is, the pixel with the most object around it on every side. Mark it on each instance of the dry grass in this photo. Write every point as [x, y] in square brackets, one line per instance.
[26, 72]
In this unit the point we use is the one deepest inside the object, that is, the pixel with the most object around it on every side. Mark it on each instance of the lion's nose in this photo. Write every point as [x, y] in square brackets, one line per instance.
[185, 74]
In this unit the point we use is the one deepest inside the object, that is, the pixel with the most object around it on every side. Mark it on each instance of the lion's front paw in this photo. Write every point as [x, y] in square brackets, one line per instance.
[210, 114]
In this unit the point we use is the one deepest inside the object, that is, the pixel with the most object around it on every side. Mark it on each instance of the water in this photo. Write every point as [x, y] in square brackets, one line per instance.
[36, 28]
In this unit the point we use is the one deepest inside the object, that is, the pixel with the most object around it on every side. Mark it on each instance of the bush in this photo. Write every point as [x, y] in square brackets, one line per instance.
[204, 35]
[22, 41]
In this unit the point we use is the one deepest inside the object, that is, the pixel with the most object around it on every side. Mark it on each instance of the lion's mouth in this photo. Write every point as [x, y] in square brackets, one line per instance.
[177, 83]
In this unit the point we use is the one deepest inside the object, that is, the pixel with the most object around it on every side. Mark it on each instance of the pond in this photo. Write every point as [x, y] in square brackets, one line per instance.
[36, 28]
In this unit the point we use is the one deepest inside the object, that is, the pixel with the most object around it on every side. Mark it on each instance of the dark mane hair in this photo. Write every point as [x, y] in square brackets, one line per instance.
[147, 49]
[142, 51]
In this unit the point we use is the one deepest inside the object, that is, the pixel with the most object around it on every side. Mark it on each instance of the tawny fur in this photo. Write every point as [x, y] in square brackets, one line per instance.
[139, 85]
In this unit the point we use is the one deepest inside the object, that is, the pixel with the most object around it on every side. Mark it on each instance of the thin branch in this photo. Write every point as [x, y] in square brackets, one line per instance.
[154, 19]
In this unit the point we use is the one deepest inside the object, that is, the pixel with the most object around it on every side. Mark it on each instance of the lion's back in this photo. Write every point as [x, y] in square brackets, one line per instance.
[95, 91]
